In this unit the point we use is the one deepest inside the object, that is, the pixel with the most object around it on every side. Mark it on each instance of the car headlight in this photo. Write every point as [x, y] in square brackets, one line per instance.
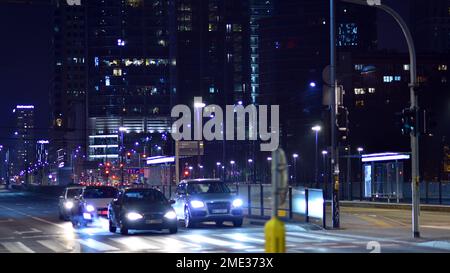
[90, 208]
[197, 204]
[170, 215]
[237, 203]
[68, 205]
[133, 216]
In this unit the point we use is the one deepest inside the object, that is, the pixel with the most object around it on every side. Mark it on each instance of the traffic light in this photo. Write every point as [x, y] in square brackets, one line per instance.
[409, 122]
[108, 164]
[342, 123]
[129, 155]
[429, 122]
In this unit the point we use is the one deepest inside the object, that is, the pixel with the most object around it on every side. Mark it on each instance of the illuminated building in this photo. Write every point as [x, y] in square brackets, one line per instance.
[24, 149]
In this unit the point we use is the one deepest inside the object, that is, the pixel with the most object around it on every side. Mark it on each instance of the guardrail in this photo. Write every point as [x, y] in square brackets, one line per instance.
[302, 203]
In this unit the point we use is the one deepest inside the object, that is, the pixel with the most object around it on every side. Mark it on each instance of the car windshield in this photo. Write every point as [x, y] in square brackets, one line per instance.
[150, 196]
[104, 192]
[71, 193]
[207, 187]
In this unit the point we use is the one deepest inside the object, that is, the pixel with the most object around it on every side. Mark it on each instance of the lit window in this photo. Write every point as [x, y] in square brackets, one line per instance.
[359, 91]
[359, 67]
[117, 72]
[406, 67]
[442, 67]
[371, 90]
[120, 42]
[388, 79]
[397, 78]
[228, 28]
[359, 103]
[107, 81]
[212, 90]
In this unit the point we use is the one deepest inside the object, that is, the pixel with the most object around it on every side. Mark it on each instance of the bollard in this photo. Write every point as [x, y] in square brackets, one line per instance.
[307, 205]
[261, 199]
[290, 203]
[249, 200]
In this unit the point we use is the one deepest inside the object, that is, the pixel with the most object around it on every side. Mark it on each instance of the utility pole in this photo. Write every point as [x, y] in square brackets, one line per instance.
[334, 156]
[414, 107]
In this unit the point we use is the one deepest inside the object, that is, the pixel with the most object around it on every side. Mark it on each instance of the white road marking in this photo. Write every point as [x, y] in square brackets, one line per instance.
[436, 244]
[134, 243]
[99, 246]
[54, 245]
[204, 239]
[241, 237]
[317, 237]
[32, 230]
[17, 247]
[172, 244]
[437, 227]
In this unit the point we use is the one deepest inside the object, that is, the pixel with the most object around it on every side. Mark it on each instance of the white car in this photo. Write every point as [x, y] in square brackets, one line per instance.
[66, 201]
[92, 203]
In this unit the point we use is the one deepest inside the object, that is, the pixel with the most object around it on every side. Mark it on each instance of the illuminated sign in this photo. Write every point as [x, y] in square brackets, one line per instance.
[73, 2]
[384, 157]
[160, 160]
[43, 142]
[25, 106]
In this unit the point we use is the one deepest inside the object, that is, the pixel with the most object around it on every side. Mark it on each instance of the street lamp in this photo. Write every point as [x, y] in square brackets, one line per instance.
[360, 150]
[316, 129]
[295, 156]
[232, 162]
[415, 179]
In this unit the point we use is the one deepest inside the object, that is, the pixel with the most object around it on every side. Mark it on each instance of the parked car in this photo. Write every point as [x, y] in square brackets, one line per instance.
[141, 209]
[66, 201]
[91, 204]
[205, 200]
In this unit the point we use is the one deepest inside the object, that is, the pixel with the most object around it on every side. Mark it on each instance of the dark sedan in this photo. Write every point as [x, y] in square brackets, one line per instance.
[141, 209]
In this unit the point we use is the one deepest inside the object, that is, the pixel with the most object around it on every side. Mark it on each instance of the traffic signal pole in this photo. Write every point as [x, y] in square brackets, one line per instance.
[414, 107]
[334, 157]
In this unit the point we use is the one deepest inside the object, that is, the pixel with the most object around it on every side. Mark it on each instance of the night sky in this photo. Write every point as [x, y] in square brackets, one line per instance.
[25, 52]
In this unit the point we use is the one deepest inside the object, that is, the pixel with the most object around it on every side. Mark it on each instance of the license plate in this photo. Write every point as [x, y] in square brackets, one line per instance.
[219, 211]
[154, 221]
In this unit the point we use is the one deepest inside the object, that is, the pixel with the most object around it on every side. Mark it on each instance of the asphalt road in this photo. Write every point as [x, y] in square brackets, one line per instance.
[29, 223]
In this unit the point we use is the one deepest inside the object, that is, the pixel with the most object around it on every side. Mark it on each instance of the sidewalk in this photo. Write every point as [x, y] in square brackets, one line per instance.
[402, 206]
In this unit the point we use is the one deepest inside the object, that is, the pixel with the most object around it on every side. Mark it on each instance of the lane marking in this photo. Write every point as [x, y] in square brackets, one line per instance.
[172, 244]
[6, 220]
[436, 244]
[33, 217]
[32, 230]
[99, 246]
[437, 227]
[17, 247]
[372, 220]
[317, 237]
[241, 237]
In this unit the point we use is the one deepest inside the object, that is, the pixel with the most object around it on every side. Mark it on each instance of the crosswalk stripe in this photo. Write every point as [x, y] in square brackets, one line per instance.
[172, 244]
[99, 246]
[135, 243]
[54, 245]
[209, 240]
[289, 239]
[241, 238]
[318, 237]
[17, 247]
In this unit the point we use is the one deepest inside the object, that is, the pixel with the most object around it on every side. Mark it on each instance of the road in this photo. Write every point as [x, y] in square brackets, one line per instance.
[29, 223]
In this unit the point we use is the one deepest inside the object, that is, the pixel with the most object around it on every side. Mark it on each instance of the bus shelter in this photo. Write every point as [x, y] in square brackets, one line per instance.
[384, 175]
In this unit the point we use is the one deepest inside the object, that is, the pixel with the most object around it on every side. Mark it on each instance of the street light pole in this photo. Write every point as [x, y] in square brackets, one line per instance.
[415, 175]
[316, 129]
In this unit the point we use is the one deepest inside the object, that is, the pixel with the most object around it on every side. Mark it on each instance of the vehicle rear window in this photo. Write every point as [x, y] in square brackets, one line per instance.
[207, 187]
[151, 196]
[94, 193]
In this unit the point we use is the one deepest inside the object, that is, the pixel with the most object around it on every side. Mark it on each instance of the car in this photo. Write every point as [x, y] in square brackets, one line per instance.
[66, 201]
[206, 200]
[141, 209]
[91, 204]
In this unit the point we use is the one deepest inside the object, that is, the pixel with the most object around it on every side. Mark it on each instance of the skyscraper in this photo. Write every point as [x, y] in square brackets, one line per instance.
[24, 153]
[68, 94]
[431, 22]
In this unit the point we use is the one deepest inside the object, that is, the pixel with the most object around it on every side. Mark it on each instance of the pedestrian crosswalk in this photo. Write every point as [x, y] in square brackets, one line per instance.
[210, 241]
